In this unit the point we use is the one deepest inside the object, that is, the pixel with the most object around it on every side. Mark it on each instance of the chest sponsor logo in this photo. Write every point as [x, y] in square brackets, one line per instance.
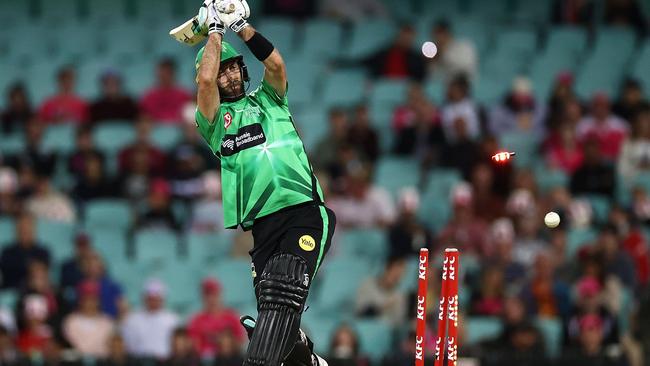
[307, 243]
[227, 120]
[246, 137]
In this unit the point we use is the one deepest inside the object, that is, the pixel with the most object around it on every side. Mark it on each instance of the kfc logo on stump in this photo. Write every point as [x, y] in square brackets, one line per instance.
[227, 120]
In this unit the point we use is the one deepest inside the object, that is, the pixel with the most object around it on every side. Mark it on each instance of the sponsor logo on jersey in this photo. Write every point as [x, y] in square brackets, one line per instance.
[307, 243]
[227, 120]
[246, 137]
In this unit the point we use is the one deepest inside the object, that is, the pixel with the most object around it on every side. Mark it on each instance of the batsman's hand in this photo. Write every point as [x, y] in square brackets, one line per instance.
[233, 13]
[214, 23]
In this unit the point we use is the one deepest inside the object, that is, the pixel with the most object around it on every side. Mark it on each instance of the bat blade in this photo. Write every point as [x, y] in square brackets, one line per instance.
[189, 33]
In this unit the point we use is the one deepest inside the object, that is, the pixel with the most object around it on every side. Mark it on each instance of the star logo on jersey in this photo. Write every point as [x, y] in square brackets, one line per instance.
[227, 120]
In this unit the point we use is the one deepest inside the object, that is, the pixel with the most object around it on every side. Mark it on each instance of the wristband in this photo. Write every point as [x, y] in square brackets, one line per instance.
[260, 47]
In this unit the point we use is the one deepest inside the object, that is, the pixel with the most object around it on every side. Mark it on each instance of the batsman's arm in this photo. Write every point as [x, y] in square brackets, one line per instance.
[275, 71]
[208, 92]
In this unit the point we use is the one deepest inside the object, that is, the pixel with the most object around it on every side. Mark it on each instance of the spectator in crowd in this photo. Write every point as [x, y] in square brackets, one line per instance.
[626, 13]
[71, 273]
[381, 297]
[524, 346]
[50, 204]
[111, 301]
[229, 350]
[595, 175]
[65, 105]
[591, 348]
[7, 320]
[164, 102]
[575, 12]
[607, 129]
[345, 349]
[462, 152]
[416, 125]
[455, 57]
[513, 316]
[519, 111]
[35, 155]
[85, 150]
[117, 353]
[635, 153]
[148, 332]
[546, 296]
[324, 155]
[353, 11]
[38, 283]
[215, 318]
[207, 211]
[616, 262]
[87, 329]
[158, 213]
[631, 100]
[565, 153]
[35, 334]
[403, 356]
[129, 157]
[633, 243]
[528, 243]
[590, 301]
[362, 135]
[561, 94]
[501, 245]
[18, 110]
[363, 203]
[408, 234]
[16, 256]
[488, 204]
[9, 202]
[189, 160]
[459, 105]
[467, 231]
[93, 182]
[183, 352]
[400, 59]
[488, 300]
[113, 104]
[8, 353]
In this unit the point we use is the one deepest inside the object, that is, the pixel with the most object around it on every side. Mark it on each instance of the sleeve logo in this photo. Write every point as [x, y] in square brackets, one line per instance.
[307, 243]
[227, 120]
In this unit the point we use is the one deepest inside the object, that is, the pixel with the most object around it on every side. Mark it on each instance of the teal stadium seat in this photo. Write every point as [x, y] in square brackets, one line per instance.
[235, 277]
[321, 39]
[544, 70]
[551, 329]
[165, 137]
[517, 43]
[375, 337]
[105, 12]
[56, 13]
[7, 228]
[344, 88]
[525, 144]
[114, 214]
[441, 181]
[493, 11]
[441, 8]
[205, 248]
[57, 237]
[302, 73]
[60, 138]
[339, 280]
[13, 13]
[12, 144]
[388, 93]
[112, 136]
[578, 238]
[88, 76]
[139, 77]
[393, 174]
[370, 244]
[641, 67]
[319, 328]
[482, 328]
[312, 124]
[74, 44]
[569, 41]
[154, 248]
[368, 37]
[436, 91]
[110, 243]
[282, 32]
[153, 10]
[183, 284]
[435, 211]
[532, 12]
[548, 179]
[8, 299]
[131, 277]
[473, 29]
[600, 206]
[492, 88]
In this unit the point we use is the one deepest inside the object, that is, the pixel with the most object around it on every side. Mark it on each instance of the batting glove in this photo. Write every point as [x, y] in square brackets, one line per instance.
[234, 13]
[215, 24]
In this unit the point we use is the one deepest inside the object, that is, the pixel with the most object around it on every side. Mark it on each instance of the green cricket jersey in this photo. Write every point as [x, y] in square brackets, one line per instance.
[264, 166]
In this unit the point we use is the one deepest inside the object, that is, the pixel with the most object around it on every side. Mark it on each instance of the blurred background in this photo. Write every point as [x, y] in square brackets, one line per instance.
[111, 229]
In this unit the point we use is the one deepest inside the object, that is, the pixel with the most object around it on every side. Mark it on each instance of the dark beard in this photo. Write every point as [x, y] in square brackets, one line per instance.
[233, 89]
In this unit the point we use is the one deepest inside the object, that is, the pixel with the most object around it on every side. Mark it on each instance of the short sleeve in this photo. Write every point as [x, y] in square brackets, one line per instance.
[210, 130]
[267, 90]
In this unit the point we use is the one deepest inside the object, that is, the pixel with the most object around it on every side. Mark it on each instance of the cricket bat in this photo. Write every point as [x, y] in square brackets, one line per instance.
[191, 32]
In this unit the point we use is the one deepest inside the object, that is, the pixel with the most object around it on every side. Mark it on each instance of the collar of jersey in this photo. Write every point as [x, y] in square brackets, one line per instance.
[236, 103]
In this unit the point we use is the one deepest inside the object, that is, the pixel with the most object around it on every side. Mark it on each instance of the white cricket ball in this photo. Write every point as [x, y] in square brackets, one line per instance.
[429, 49]
[552, 219]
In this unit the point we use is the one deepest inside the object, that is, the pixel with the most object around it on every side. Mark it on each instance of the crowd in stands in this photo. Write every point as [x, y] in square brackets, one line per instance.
[591, 275]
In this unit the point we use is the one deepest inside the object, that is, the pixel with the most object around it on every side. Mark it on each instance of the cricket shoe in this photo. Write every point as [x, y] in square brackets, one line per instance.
[248, 322]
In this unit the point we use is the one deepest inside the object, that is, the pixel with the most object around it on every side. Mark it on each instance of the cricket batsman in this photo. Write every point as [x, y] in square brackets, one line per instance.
[267, 181]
